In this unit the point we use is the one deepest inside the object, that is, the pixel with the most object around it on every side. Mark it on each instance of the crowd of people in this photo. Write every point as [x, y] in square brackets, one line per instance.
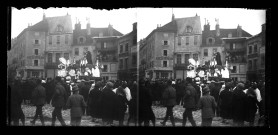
[105, 100]
[108, 101]
[230, 100]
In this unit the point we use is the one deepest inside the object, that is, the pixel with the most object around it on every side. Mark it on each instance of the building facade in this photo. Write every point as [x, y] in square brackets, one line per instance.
[27, 52]
[58, 43]
[187, 44]
[127, 53]
[106, 48]
[256, 56]
[236, 55]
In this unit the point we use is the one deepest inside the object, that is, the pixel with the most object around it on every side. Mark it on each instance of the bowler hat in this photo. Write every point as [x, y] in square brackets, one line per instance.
[75, 88]
[206, 90]
[109, 84]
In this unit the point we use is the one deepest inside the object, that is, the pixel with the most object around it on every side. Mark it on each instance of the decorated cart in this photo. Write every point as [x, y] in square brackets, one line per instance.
[79, 69]
[212, 70]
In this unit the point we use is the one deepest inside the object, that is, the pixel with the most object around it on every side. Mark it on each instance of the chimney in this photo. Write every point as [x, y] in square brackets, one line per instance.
[77, 26]
[88, 28]
[110, 30]
[135, 26]
[239, 31]
[217, 29]
[43, 16]
[207, 27]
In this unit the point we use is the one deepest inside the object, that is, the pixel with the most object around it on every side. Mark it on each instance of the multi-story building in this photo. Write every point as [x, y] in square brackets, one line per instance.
[235, 53]
[106, 48]
[100, 42]
[127, 50]
[256, 56]
[212, 41]
[27, 51]
[58, 42]
[169, 47]
[187, 44]
[142, 59]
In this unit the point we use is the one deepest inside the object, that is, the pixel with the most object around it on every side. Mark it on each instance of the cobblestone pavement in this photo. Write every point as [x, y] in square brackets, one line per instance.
[159, 112]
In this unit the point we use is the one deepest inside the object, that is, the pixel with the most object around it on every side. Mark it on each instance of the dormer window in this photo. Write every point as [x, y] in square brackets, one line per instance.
[210, 40]
[81, 40]
[188, 29]
[60, 28]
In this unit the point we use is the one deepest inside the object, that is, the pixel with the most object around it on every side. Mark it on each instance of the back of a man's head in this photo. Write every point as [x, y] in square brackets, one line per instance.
[188, 80]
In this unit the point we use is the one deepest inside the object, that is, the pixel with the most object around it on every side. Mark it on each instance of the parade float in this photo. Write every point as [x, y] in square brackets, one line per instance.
[211, 70]
[83, 68]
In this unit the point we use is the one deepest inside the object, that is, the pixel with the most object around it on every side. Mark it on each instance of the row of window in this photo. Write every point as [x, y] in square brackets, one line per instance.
[58, 55]
[187, 40]
[121, 64]
[251, 47]
[58, 39]
[186, 58]
[122, 48]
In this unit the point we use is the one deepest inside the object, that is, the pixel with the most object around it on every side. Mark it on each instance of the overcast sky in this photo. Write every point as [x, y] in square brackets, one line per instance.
[121, 19]
[250, 20]
[148, 18]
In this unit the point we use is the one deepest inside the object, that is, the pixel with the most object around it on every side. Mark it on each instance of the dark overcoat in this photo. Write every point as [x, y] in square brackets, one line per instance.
[59, 96]
[239, 105]
[225, 104]
[39, 96]
[76, 104]
[109, 104]
[207, 104]
[145, 104]
[169, 96]
[190, 97]
[94, 103]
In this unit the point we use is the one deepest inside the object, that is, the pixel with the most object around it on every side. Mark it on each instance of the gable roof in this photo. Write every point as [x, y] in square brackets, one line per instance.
[179, 25]
[65, 21]
[94, 33]
[193, 22]
[223, 34]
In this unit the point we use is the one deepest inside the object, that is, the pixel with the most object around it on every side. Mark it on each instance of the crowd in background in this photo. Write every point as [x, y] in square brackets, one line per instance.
[108, 101]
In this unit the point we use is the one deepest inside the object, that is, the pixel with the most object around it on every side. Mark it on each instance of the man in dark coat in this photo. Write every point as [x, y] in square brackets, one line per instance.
[251, 105]
[94, 102]
[132, 105]
[122, 104]
[225, 100]
[179, 92]
[190, 103]
[145, 105]
[108, 104]
[75, 103]
[58, 102]
[207, 104]
[38, 99]
[169, 98]
[16, 100]
[239, 105]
